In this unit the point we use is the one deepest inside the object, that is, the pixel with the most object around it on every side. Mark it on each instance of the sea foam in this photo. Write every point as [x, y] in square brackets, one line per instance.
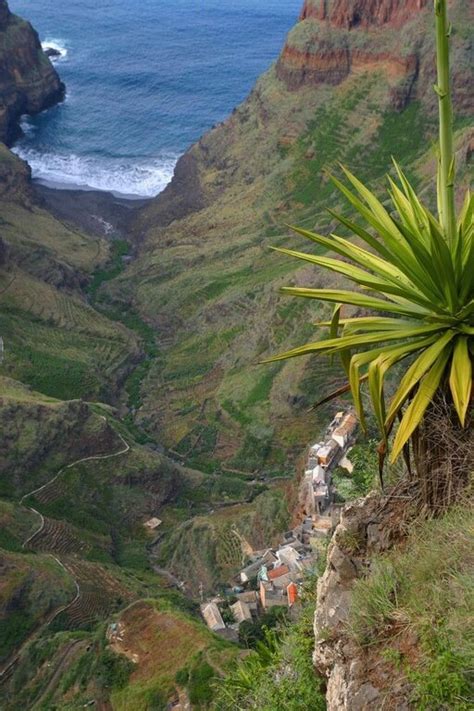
[59, 45]
[122, 177]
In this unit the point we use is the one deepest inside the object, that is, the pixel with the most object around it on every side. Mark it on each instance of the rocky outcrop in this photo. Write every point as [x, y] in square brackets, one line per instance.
[337, 39]
[332, 65]
[356, 679]
[362, 13]
[334, 40]
[28, 81]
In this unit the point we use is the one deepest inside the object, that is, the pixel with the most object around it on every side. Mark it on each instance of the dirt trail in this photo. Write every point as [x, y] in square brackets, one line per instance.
[4, 673]
[68, 466]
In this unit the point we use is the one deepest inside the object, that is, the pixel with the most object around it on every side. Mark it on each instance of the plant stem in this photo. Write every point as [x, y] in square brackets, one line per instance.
[446, 166]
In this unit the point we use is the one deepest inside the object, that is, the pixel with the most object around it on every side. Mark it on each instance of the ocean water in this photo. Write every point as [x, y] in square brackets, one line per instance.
[145, 79]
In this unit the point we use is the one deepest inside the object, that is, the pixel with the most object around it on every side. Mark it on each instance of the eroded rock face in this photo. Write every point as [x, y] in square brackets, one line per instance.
[361, 13]
[354, 682]
[344, 38]
[347, 37]
[28, 81]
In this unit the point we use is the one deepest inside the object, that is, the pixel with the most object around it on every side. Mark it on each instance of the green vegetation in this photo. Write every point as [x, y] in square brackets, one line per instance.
[426, 319]
[120, 248]
[363, 478]
[198, 680]
[175, 336]
[35, 586]
[435, 565]
[252, 633]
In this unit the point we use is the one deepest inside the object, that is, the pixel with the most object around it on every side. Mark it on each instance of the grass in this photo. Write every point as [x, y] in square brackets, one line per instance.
[168, 641]
[426, 587]
[120, 248]
[59, 362]
[35, 585]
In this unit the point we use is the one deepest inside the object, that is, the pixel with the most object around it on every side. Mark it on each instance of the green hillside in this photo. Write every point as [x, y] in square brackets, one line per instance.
[130, 383]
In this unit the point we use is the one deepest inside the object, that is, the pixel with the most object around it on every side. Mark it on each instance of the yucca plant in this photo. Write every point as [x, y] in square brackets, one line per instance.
[416, 274]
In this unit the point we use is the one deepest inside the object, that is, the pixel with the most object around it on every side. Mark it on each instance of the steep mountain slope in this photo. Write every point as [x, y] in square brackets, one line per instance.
[173, 341]
[28, 81]
[75, 492]
[378, 644]
[353, 84]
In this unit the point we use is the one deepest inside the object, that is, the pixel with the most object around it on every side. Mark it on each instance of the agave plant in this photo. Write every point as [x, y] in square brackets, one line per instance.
[416, 273]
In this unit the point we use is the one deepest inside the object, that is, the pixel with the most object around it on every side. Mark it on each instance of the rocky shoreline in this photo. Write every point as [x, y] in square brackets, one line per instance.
[95, 211]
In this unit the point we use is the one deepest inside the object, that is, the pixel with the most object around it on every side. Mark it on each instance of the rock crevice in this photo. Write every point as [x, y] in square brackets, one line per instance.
[354, 678]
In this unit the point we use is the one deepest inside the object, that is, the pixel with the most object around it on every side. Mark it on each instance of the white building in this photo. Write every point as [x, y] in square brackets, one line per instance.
[212, 616]
[345, 430]
[328, 452]
[319, 475]
[241, 611]
[290, 557]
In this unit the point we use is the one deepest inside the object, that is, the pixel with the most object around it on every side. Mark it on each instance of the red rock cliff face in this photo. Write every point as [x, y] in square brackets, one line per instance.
[28, 81]
[335, 39]
[365, 13]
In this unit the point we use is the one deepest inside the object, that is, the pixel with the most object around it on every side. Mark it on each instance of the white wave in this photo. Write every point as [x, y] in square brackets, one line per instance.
[59, 45]
[122, 177]
[27, 126]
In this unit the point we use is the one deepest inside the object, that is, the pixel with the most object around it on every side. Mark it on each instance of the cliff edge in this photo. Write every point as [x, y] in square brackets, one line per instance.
[28, 81]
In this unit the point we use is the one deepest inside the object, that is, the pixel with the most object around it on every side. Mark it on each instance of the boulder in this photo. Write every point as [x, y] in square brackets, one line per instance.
[52, 52]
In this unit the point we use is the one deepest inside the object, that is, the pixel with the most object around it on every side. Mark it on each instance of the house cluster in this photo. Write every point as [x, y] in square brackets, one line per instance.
[273, 575]
[323, 456]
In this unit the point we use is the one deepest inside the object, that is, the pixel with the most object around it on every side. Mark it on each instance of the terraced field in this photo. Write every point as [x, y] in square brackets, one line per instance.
[100, 594]
[58, 537]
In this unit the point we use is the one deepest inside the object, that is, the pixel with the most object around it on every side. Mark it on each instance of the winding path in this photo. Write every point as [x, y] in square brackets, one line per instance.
[49, 620]
[68, 466]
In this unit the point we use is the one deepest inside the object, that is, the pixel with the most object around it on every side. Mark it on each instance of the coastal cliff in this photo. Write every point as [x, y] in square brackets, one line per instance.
[28, 81]
[333, 41]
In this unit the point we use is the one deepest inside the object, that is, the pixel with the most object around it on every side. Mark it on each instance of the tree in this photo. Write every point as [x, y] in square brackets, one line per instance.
[416, 273]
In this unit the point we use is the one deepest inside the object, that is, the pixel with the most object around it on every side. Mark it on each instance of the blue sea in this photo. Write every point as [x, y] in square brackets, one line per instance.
[145, 79]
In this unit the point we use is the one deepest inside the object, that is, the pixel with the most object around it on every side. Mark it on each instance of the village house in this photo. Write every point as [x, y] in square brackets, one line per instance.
[327, 453]
[292, 594]
[345, 430]
[212, 616]
[282, 582]
[278, 572]
[269, 597]
[152, 523]
[251, 570]
[250, 598]
[289, 556]
[241, 611]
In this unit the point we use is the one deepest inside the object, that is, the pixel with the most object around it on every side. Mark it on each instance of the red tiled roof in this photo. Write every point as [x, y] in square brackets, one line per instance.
[277, 572]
